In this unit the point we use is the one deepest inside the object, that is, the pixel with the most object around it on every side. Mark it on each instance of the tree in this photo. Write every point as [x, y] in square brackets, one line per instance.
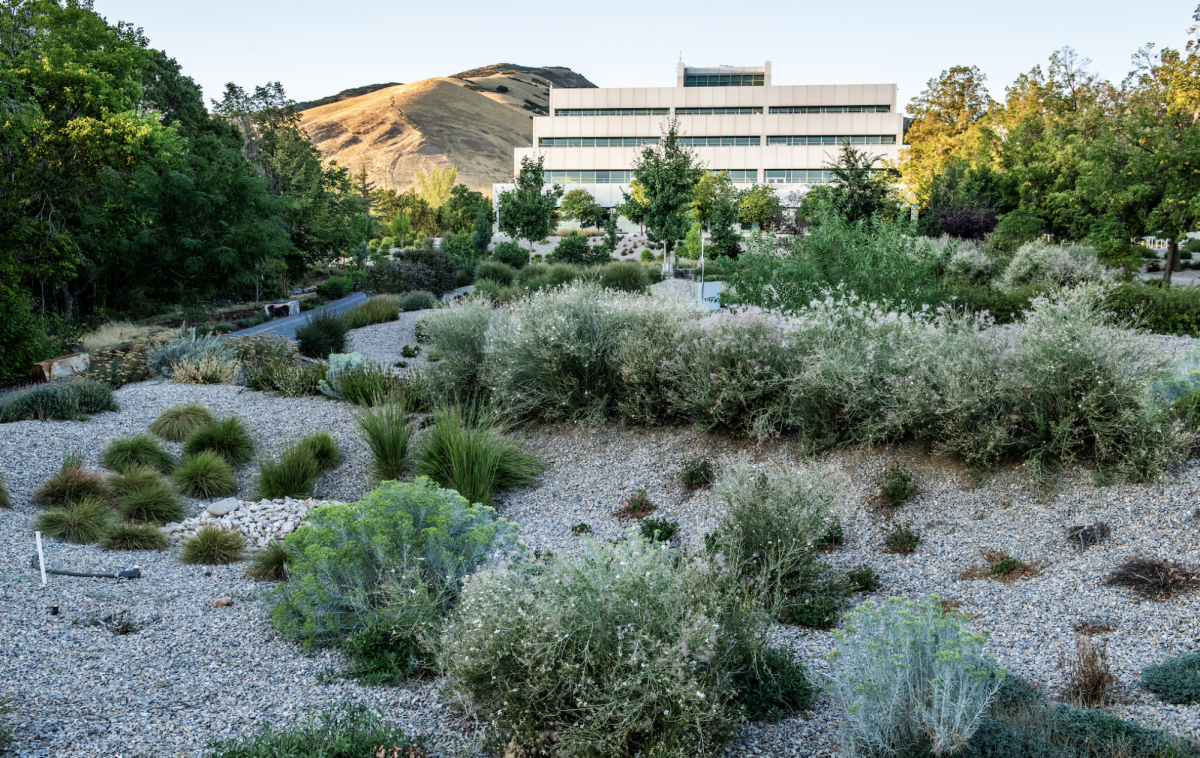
[481, 237]
[857, 193]
[758, 204]
[634, 205]
[389, 204]
[401, 229]
[723, 238]
[457, 214]
[610, 233]
[579, 205]
[667, 171]
[435, 185]
[364, 188]
[525, 212]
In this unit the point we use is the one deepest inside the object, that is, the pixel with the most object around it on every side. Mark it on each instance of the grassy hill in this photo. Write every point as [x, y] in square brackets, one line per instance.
[345, 94]
[471, 120]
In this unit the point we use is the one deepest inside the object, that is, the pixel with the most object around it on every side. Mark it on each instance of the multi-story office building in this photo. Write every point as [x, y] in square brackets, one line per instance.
[734, 118]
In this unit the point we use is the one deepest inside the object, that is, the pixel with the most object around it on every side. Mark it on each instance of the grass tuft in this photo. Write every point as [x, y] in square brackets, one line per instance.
[177, 423]
[82, 522]
[900, 538]
[387, 433]
[341, 731]
[152, 501]
[294, 473]
[205, 475]
[71, 484]
[1088, 674]
[323, 449]
[228, 437]
[213, 547]
[466, 450]
[270, 563]
[133, 537]
[140, 450]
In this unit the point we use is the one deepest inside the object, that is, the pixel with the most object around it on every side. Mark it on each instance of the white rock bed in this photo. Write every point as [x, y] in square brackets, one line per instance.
[261, 521]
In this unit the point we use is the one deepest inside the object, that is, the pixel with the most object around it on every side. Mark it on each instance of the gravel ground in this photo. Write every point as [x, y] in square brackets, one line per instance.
[194, 672]
[382, 343]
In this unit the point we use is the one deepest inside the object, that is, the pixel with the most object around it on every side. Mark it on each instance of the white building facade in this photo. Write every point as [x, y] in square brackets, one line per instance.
[734, 119]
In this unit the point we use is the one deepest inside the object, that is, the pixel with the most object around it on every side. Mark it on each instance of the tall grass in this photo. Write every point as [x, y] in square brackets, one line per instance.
[82, 522]
[375, 310]
[342, 730]
[177, 423]
[466, 450]
[386, 431]
[293, 473]
[322, 334]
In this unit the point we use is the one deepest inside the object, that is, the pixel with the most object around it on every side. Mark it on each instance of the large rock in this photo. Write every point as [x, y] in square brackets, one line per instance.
[60, 368]
[223, 507]
[283, 308]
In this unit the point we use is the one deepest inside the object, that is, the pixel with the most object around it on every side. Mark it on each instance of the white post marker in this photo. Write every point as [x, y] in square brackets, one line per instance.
[41, 558]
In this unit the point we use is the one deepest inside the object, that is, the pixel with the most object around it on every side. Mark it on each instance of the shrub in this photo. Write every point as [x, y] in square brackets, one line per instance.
[205, 475]
[386, 431]
[511, 254]
[466, 450]
[270, 563]
[177, 423]
[209, 368]
[418, 300]
[375, 310]
[225, 327]
[162, 358]
[82, 521]
[970, 264]
[487, 288]
[573, 248]
[326, 452]
[1164, 310]
[776, 687]
[658, 529]
[68, 401]
[133, 537]
[410, 351]
[496, 271]
[71, 484]
[1088, 674]
[351, 379]
[321, 334]
[1175, 680]
[427, 270]
[900, 537]
[139, 450]
[646, 256]
[863, 578]
[334, 287]
[153, 501]
[696, 472]
[815, 611]
[1061, 265]
[625, 277]
[213, 546]
[393, 562]
[557, 649]
[286, 378]
[905, 672]
[93, 396]
[895, 484]
[294, 473]
[458, 334]
[228, 437]
[339, 731]
[1152, 578]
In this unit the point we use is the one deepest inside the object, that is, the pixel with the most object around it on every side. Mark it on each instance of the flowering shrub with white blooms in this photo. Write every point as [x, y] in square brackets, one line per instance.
[1060, 265]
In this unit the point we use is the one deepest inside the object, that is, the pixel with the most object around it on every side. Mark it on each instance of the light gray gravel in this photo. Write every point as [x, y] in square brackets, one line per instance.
[195, 672]
[382, 343]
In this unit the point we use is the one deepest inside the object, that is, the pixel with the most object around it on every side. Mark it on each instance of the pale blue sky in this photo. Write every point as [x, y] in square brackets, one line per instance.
[319, 48]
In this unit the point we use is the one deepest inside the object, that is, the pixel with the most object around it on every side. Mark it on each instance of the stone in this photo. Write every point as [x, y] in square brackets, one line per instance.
[222, 602]
[287, 528]
[283, 308]
[60, 368]
[223, 507]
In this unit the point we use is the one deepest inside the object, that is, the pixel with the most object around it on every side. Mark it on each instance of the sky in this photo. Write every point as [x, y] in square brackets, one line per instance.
[317, 49]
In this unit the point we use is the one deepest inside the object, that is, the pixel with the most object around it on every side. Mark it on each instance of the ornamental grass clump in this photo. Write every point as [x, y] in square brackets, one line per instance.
[177, 423]
[906, 675]
[133, 537]
[151, 500]
[213, 546]
[323, 449]
[375, 310]
[139, 450]
[385, 429]
[270, 563]
[322, 333]
[377, 576]
[72, 483]
[293, 473]
[205, 475]
[359, 382]
[68, 401]
[342, 730]
[467, 450]
[83, 521]
[228, 437]
[620, 650]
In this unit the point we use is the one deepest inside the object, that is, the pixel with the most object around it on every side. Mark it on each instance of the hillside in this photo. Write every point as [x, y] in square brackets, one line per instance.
[472, 120]
[345, 94]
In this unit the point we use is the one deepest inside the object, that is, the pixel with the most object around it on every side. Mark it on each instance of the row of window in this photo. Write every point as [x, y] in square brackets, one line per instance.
[800, 139]
[828, 139]
[588, 177]
[722, 111]
[802, 175]
[737, 175]
[831, 109]
[724, 80]
[596, 141]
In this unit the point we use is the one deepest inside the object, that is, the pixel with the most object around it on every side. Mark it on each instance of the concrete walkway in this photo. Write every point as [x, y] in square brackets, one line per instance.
[286, 326]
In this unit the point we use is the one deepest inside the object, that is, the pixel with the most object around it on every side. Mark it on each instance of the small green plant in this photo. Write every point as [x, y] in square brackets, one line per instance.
[153, 501]
[270, 563]
[895, 484]
[1007, 565]
[323, 449]
[5, 500]
[863, 578]
[133, 537]
[386, 431]
[178, 422]
[343, 730]
[658, 529]
[72, 483]
[228, 437]
[410, 351]
[696, 472]
[774, 686]
[322, 334]
[205, 475]
[637, 506]
[1175, 680]
[900, 537]
[213, 546]
[581, 529]
[140, 450]
[293, 473]
[83, 521]
[418, 300]
[832, 537]
[817, 612]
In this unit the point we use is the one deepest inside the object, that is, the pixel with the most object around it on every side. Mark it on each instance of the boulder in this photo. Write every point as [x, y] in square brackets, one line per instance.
[222, 602]
[283, 308]
[60, 368]
[223, 507]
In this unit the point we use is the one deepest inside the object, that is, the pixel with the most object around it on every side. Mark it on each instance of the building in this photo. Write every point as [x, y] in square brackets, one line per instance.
[733, 117]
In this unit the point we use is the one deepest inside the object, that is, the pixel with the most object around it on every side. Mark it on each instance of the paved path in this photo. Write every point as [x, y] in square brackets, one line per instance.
[286, 326]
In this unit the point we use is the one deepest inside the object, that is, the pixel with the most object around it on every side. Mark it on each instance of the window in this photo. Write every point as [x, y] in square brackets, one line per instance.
[611, 111]
[724, 80]
[830, 139]
[717, 111]
[596, 141]
[739, 175]
[719, 141]
[588, 177]
[802, 175]
[831, 109]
